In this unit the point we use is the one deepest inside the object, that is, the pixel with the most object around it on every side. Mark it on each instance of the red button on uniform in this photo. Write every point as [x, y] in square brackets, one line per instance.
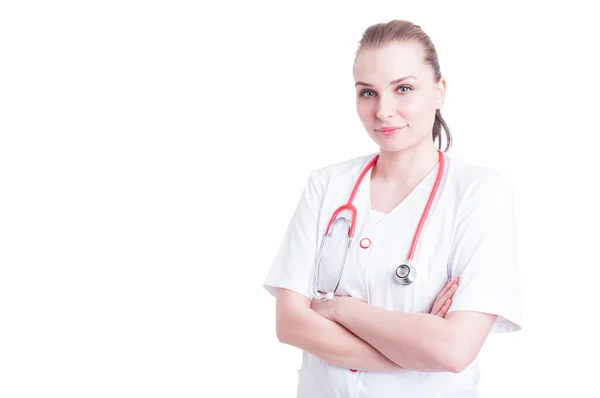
[365, 243]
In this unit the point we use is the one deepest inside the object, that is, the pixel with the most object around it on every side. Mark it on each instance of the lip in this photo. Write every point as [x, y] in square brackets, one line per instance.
[388, 131]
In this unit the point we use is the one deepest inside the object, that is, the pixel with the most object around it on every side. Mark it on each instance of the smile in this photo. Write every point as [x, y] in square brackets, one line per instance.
[389, 131]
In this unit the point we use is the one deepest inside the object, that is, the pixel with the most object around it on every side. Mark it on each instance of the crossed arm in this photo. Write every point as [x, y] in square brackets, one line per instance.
[349, 333]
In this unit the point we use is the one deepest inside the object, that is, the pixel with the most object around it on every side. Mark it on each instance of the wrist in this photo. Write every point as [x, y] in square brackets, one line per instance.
[338, 306]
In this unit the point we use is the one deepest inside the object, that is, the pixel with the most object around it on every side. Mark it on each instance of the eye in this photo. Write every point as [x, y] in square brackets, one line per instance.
[404, 89]
[367, 93]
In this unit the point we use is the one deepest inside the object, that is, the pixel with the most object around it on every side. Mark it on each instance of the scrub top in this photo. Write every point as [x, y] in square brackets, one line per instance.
[469, 232]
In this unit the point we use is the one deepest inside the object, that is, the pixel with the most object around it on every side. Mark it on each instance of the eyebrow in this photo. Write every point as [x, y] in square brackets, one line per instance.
[391, 83]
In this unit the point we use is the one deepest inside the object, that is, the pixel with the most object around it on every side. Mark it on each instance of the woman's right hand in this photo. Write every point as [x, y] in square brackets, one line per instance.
[444, 299]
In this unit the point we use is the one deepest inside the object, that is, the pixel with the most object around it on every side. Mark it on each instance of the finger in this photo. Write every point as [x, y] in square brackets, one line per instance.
[449, 284]
[445, 308]
[435, 308]
[441, 300]
[444, 290]
[439, 303]
[445, 294]
[449, 294]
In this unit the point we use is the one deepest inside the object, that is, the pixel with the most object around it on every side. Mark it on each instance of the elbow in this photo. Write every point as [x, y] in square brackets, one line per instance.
[288, 327]
[456, 366]
[432, 356]
[282, 330]
[454, 358]
[280, 334]
[460, 344]
[290, 316]
[446, 353]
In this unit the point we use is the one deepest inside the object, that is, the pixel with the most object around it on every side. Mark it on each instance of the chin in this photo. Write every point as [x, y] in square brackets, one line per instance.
[394, 145]
[398, 142]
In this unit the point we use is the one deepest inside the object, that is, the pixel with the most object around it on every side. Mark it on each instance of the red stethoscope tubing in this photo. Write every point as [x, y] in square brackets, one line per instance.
[349, 206]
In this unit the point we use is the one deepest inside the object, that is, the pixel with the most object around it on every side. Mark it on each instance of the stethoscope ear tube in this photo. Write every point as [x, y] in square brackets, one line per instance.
[329, 295]
[404, 274]
[324, 297]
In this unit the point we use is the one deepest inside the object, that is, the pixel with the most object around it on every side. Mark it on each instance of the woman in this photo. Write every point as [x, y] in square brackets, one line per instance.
[424, 218]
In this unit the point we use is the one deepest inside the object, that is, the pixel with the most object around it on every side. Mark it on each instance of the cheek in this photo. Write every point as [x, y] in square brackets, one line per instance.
[365, 112]
[416, 108]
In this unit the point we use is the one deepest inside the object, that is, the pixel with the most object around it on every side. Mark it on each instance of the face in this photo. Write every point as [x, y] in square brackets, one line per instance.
[397, 95]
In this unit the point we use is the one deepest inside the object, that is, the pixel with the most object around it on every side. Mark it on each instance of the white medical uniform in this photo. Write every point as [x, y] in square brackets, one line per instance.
[470, 232]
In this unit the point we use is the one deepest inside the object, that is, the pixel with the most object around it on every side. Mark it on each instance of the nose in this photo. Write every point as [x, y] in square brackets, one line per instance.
[386, 107]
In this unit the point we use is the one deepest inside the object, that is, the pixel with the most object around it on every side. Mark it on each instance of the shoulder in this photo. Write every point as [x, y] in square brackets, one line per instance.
[469, 179]
[339, 171]
[479, 190]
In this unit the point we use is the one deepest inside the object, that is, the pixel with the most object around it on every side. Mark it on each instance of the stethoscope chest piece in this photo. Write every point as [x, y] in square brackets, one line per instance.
[405, 274]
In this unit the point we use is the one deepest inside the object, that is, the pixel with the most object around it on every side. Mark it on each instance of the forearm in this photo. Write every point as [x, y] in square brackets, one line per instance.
[415, 341]
[333, 343]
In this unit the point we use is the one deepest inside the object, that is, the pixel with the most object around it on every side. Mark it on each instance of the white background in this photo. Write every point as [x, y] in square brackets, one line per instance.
[151, 154]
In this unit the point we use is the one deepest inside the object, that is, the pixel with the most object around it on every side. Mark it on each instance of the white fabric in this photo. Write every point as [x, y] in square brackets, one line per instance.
[469, 232]
[377, 217]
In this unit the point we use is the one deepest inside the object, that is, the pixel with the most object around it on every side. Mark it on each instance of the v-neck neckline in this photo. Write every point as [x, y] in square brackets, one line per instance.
[414, 192]
[376, 217]
[363, 197]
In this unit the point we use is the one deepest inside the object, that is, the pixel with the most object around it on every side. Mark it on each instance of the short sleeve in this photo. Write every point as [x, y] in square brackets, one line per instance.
[294, 261]
[484, 254]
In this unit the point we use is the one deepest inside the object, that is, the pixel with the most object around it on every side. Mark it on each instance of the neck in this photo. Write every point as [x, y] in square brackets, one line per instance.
[405, 167]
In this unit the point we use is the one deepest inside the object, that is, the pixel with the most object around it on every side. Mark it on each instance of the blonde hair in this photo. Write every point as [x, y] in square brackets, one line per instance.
[381, 34]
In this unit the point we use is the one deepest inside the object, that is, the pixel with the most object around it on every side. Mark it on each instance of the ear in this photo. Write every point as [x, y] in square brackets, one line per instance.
[440, 93]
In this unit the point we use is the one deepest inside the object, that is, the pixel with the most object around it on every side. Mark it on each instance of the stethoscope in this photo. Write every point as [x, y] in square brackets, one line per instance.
[404, 274]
